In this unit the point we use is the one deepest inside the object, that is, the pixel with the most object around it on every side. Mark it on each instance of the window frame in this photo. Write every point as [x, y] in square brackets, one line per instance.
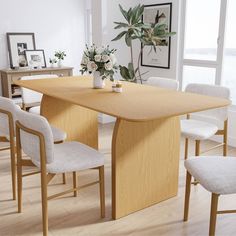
[218, 63]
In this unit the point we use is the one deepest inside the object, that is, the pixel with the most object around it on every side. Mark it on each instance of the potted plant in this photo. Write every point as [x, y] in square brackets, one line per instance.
[147, 34]
[101, 62]
[60, 55]
[52, 61]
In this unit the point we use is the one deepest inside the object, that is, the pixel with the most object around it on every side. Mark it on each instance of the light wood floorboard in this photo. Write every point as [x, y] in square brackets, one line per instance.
[81, 215]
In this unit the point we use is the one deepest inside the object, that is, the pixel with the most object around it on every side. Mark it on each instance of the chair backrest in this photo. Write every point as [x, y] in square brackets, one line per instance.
[7, 105]
[30, 96]
[30, 143]
[219, 114]
[164, 83]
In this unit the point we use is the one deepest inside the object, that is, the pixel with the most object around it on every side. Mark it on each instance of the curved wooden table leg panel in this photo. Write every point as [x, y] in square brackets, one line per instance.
[79, 123]
[145, 164]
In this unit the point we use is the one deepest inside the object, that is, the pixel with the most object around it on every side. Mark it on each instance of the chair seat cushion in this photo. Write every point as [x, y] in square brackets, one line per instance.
[35, 110]
[216, 174]
[73, 156]
[197, 130]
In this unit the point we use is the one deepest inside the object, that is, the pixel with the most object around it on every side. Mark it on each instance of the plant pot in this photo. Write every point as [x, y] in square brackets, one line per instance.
[52, 65]
[98, 82]
[59, 63]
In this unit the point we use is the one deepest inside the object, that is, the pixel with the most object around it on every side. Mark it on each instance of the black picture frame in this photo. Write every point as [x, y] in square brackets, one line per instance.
[28, 55]
[13, 49]
[167, 66]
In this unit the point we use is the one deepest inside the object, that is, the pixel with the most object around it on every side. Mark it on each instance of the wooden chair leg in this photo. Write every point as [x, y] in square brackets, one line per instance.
[197, 153]
[64, 178]
[187, 195]
[102, 191]
[44, 203]
[13, 171]
[225, 140]
[213, 215]
[75, 183]
[197, 148]
[19, 186]
[186, 149]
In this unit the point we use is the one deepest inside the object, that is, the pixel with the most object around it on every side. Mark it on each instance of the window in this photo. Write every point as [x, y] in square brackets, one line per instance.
[202, 24]
[229, 62]
[209, 44]
[194, 74]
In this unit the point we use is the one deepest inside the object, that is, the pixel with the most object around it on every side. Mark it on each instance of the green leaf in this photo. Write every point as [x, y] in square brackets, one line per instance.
[128, 39]
[124, 72]
[121, 25]
[119, 36]
[131, 70]
[124, 13]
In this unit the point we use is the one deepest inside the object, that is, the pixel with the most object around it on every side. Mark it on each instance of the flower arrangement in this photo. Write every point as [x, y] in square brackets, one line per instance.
[100, 59]
[60, 55]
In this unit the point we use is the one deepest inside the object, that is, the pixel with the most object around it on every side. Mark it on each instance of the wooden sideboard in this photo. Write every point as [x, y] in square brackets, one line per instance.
[8, 76]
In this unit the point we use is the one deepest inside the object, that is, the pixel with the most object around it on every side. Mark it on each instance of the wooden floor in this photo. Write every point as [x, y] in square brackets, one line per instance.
[81, 216]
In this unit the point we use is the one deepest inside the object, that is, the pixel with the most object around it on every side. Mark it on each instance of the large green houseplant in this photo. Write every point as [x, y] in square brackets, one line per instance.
[147, 34]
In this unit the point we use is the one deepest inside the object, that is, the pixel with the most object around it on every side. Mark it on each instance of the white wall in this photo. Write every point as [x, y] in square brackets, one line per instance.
[57, 24]
[110, 12]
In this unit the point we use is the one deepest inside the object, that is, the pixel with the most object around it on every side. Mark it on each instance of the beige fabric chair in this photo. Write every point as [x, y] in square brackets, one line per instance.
[7, 133]
[34, 137]
[215, 174]
[164, 83]
[201, 126]
[30, 97]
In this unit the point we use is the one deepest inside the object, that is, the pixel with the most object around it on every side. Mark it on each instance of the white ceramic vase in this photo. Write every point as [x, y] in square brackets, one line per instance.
[98, 82]
[59, 63]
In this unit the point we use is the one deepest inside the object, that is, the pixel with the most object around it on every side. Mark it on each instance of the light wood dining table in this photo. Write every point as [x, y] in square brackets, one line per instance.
[146, 136]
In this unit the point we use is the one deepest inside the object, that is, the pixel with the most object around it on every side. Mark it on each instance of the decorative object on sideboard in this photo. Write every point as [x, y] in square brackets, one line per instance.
[148, 34]
[17, 44]
[52, 62]
[35, 58]
[158, 14]
[60, 55]
[101, 62]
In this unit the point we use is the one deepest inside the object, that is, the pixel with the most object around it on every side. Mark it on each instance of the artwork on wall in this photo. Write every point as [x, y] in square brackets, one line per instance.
[18, 43]
[153, 14]
[35, 58]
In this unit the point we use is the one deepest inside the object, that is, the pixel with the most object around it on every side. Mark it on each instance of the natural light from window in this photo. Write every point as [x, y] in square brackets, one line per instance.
[229, 64]
[202, 24]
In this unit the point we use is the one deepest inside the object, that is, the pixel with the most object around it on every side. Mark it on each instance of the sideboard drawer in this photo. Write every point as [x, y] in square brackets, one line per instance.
[62, 73]
[17, 77]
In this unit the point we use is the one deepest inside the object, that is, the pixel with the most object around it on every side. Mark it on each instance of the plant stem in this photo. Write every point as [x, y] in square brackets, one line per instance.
[139, 59]
[132, 58]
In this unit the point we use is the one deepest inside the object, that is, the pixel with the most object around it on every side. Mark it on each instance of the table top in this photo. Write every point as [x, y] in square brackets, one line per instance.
[136, 103]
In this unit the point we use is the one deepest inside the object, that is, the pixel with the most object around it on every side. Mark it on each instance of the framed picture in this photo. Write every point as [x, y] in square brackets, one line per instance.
[153, 14]
[17, 44]
[35, 58]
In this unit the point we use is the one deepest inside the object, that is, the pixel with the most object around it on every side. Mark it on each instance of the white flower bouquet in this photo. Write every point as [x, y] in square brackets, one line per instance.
[100, 59]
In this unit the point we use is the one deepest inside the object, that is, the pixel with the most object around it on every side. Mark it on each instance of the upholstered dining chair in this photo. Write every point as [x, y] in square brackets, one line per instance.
[34, 137]
[164, 83]
[215, 174]
[30, 97]
[7, 133]
[201, 126]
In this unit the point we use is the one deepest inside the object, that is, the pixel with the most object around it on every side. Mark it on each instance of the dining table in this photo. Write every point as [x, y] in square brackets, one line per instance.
[145, 151]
